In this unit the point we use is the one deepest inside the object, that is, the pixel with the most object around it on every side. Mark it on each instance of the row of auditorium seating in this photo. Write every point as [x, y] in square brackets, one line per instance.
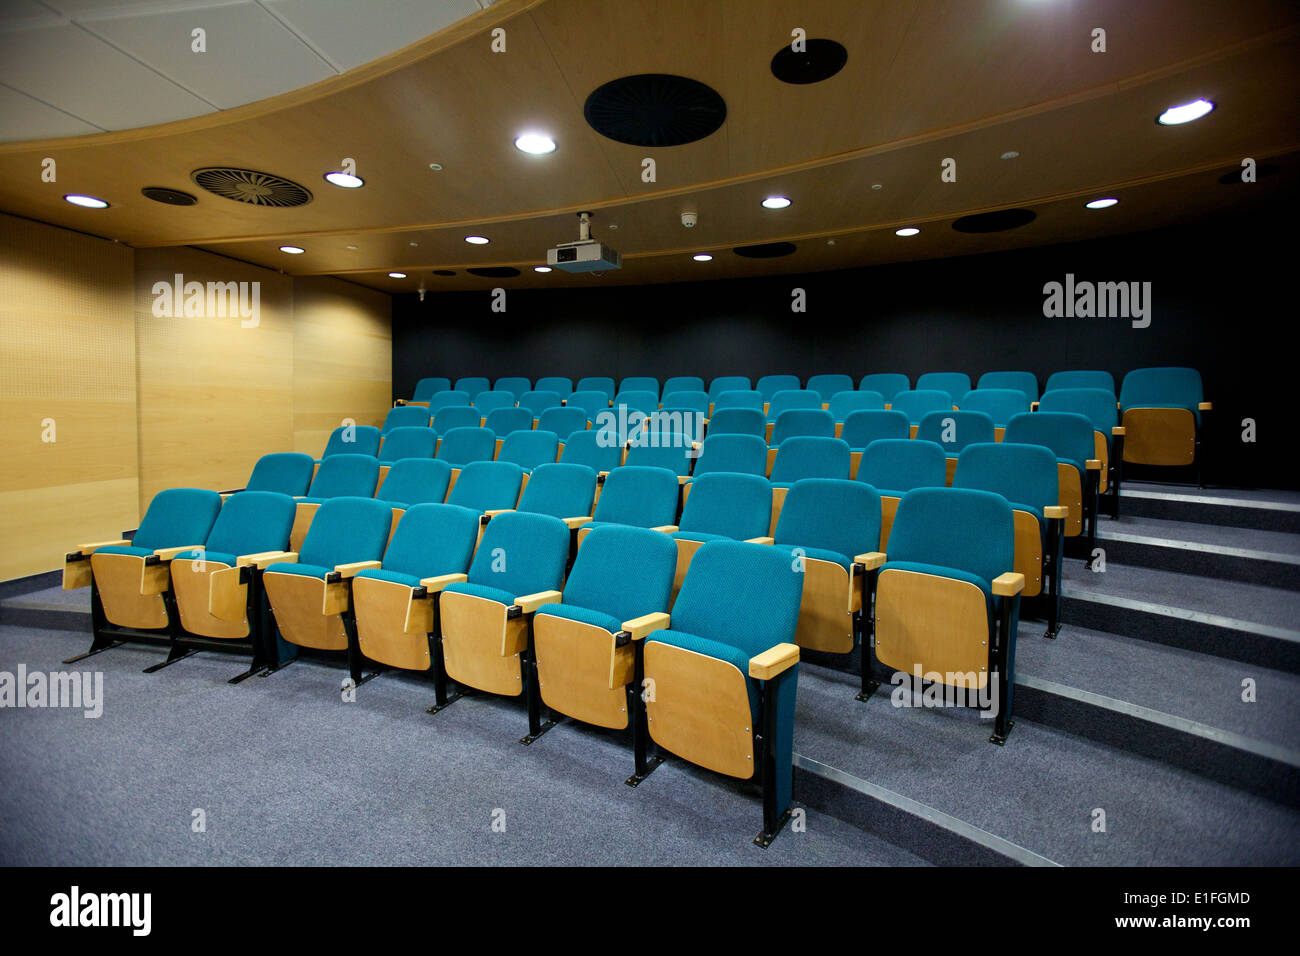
[709, 615]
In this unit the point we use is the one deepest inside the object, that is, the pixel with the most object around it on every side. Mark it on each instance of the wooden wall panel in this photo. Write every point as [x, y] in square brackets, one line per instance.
[213, 396]
[68, 355]
[343, 358]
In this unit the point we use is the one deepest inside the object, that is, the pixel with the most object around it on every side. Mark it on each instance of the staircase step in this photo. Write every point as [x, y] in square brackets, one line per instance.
[1253, 556]
[1265, 510]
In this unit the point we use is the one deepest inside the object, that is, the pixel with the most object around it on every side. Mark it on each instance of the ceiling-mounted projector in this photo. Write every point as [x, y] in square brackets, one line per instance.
[585, 255]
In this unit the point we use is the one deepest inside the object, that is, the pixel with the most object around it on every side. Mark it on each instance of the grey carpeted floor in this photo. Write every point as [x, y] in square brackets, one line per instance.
[1274, 542]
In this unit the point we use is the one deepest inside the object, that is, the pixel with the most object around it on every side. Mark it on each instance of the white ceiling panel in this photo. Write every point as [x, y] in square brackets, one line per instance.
[22, 117]
[249, 54]
[26, 13]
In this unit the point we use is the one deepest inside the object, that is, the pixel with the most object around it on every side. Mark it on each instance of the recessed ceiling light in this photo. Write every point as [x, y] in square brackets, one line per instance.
[537, 144]
[775, 202]
[352, 248]
[292, 250]
[1011, 154]
[830, 242]
[477, 240]
[397, 275]
[1101, 203]
[90, 202]
[906, 231]
[436, 167]
[541, 268]
[412, 244]
[877, 186]
[703, 257]
[346, 180]
[1184, 113]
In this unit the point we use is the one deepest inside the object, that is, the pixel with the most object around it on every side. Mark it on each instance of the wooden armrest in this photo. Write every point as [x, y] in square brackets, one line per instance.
[1119, 430]
[577, 521]
[1008, 583]
[871, 560]
[1033, 406]
[166, 554]
[350, 569]
[493, 512]
[773, 661]
[263, 559]
[440, 581]
[1092, 464]
[1056, 511]
[683, 479]
[763, 540]
[665, 528]
[1205, 407]
[89, 549]
[528, 603]
[639, 627]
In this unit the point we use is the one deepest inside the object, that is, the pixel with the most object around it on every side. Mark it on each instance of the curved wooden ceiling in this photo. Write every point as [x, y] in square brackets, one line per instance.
[925, 80]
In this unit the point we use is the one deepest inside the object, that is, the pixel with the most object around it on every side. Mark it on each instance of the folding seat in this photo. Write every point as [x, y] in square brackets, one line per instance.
[128, 578]
[628, 414]
[589, 447]
[596, 384]
[585, 656]
[728, 383]
[741, 454]
[485, 402]
[1081, 379]
[515, 386]
[769, 385]
[448, 400]
[661, 449]
[394, 608]
[953, 431]
[405, 416]
[887, 384]
[1161, 410]
[460, 446]
[842, 404]
[641, 400]
[503, 421]
[956, 384]
[457, 416]
[861, 428]
[738, 399]
[473, 385]
[697, 400]
[788, 399]
[1000, 404]
[722, 506]
[591, 402]
[832, 528]
[339, 476]
[677, 418]
[643, 497]
[414, 481]
[352, 440]
[1100, 408]
[251, 526]
[725, 671]
[738, 421]
[947, 603]
[895, 466]
[1070, 439]
[487, 487]
[640, 383]
[538, 402]
[556, 383]
[285, 472]
[1026, 382]
[563, 491]
[486, 620]
[411, 442]
[308, 588]
[683, 383]
[528, 449]
[805, 457]
[917, 403]
[563, 421]
[425, 389]
[801, 421]
[1026, 476]
[828, 385]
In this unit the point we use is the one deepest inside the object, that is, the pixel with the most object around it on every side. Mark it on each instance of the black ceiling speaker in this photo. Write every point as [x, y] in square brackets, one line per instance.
[250, 186]
[444, 272]
[172, 197]
[819, 60]
[998, 221]
[654, 109]
[1261, 170]
[765, 250]
[494, 272]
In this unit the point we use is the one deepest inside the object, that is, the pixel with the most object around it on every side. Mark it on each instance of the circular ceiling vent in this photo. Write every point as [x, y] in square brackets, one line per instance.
[494, 272]
[654, 109]
[250, 186]
[444, 272]
[818, 60]
[998, 221]
[765, 250]
[172, 197]
[1233, 175]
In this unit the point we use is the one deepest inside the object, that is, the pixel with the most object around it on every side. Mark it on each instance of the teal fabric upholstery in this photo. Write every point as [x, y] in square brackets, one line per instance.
[1068, 435]
[791, 398]
[1081, 379]
[732, 505]
[538, 402]
[559, 490]
[887, 384]
[489, 401]
[592, 448]
[958, 528]
[431, 539]
[1095, 404]
[472, 385]
[896, 465]
[682, 383]
[861, 428]
[644, 497]
[415, 481]
[528, 449]
[805, 457]
[815, 422]
[425, 388]
[842, 404]
[739, 398]
[656, 449]
[738, 421]
[460, 446]
[251, 522]
[596, 384]
[1162, 388]
[640, 383]
[1025, 475]
[405, 415]
[967, 428]
[344, 530]
[916, 403]
[769, 385]
[520, 554]
[408, 442]
[729, 383]
[352, 440]
[563, 420]
[638, 400]
[830, 515]
[556, 383]
[827, 385]
[457, 416]
[1000, 404]
[285, 472]
[1026, 382]
[621, 573]
[487, 486]
[448, 399]
[742, 454]
[697, 400]
[503, 421]
[593, 402]
[345, 475]
[175, 517]
[956, 384]
[516, 386]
